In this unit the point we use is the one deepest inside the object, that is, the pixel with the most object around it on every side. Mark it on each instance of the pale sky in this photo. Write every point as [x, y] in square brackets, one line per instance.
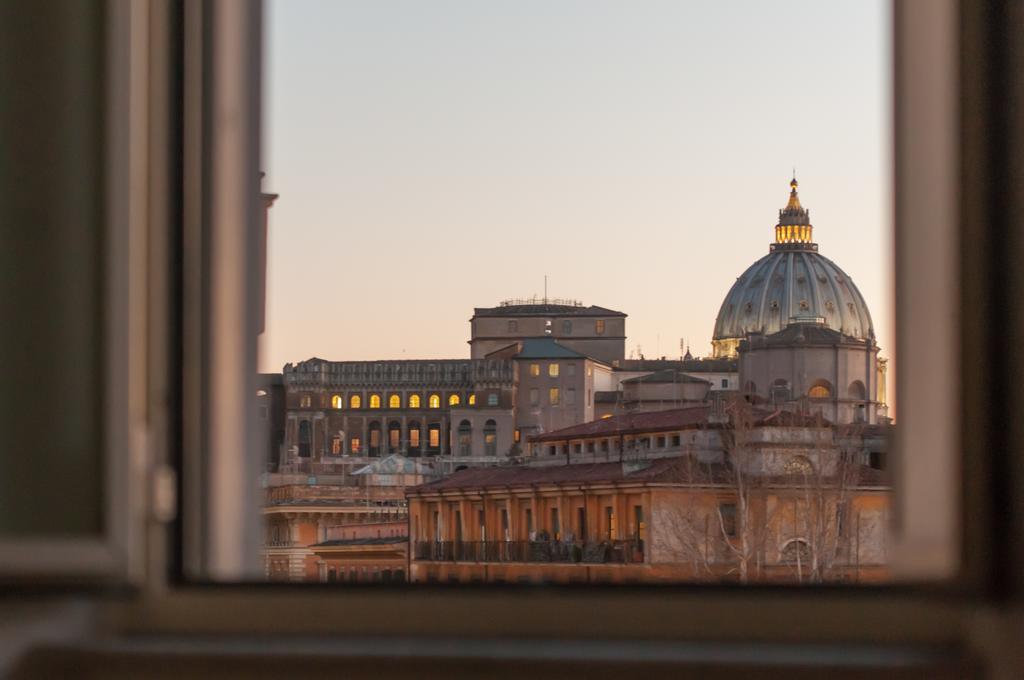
[438, 156]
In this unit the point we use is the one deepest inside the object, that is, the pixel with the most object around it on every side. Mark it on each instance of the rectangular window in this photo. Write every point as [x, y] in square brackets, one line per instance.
[435, 438]
[675, 440]
[552, 450]
[661, 442]
[553, 370]
[638, 522]
[556, 526]
[604, 446]
[570, 370]
[590, 397]
[374, 438]
[305, 401]
[534, 396]
[728, 513]
[570, 396]
[590, 447]
[355, 445]
[437, 526]
[458, 526]
[528, 513]
[481, 521]
[336, 446]
[515, 435]
[504, 525]
[553, 396]
[725, 383]
[599, 327]
[414, 438]
[581, 523]
[513, 326]
[492, 399]
[567, 327]
[609, 522]
[534, 370]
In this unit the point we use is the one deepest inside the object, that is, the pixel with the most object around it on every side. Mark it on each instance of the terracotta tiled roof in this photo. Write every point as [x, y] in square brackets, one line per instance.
[670, 419]
[678, 470]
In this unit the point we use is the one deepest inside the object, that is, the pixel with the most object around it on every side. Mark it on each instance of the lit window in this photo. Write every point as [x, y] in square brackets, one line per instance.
[414, 401]
[305, 401]
[820, 390]
[355, 445]
[394, 401]
[337, 401]
[534, 370]
[472, 399]
[355, 401]
[435, 438]
[553, 396]
[599, 326]
[434, 402]
[492, 399]
[414, 437]
[553, 370]
[453, 400]
[606, 416]
[336, 446]
[590, 370]
[374, 401]
[515, 436]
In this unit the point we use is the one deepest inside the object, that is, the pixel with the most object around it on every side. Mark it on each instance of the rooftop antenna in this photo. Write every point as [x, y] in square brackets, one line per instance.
[545, 289]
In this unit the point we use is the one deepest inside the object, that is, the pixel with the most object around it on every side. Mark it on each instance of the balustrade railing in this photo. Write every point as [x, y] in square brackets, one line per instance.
[594, 552]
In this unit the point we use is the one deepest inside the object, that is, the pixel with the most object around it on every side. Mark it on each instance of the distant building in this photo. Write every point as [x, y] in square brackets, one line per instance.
[364, 553]
[657, 497]
[593, 331]
[802, 330]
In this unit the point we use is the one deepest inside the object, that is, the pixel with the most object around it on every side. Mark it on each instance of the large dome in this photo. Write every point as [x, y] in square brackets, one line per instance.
[791, 283]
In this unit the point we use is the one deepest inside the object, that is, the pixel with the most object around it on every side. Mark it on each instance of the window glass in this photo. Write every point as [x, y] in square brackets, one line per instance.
[790, 295]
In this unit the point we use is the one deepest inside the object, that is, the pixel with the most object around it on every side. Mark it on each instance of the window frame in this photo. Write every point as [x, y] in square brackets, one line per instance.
[926, 132]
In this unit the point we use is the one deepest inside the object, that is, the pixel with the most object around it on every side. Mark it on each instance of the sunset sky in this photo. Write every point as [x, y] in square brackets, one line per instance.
[433, 157]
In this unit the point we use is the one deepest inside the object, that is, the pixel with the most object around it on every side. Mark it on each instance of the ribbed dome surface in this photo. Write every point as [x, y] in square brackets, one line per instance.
[792, 283]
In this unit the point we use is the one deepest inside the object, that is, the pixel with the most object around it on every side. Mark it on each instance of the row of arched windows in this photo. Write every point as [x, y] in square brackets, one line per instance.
[355, 401]
[821, 389]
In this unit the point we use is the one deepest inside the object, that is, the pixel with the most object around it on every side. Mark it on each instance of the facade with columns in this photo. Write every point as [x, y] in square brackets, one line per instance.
[344, 414]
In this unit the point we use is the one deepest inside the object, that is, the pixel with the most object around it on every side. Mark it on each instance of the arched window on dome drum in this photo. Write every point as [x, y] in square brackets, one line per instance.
[374, 401]
[355, 401]
[453, 400]
[465, 438]
[394, 401]
[857, 391]
[490, 438]
[337, 402]
[435, 401]
[822, 389]
[414, 401]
